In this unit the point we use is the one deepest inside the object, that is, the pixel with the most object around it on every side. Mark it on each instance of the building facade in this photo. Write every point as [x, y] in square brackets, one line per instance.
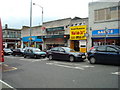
[78, 31]
[104, 26]
[11, 38]
[54, 33]
[35, 39]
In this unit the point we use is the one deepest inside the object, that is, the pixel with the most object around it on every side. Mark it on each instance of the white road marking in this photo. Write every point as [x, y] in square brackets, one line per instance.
[33, 60]
[7, 85]
[65, 66]
[86, 66]
[73, 80]
[116, 73]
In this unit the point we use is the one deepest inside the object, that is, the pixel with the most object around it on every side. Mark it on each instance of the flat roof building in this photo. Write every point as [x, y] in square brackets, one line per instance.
[104, 25]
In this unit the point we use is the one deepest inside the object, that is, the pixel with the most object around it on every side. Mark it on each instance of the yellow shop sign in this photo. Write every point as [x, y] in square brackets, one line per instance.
[78, 32]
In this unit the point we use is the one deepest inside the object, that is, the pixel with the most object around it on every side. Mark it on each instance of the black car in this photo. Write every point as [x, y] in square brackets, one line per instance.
[107, 54]
[18, 51]
[7, 51]
[34, 53]
[65, 53]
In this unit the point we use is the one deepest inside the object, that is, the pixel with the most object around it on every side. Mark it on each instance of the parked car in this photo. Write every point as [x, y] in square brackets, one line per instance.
[34, 53]
[109, 54]
[7, 51]
[65, 53]
[18, 51]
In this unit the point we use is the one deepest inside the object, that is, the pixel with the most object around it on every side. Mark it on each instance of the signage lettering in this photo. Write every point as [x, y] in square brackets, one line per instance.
[78, 32]
[103, 32]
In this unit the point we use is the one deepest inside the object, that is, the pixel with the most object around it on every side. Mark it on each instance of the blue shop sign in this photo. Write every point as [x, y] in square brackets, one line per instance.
[33, 38]
[108, 32]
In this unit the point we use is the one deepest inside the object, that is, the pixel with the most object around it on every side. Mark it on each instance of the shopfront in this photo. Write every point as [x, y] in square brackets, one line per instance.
[109, 37]
[55, 41]
[35, 42]
[78, 39]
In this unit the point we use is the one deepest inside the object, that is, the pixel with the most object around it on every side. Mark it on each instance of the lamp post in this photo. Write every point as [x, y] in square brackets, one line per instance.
[30, 24]
[41, 22]
[42, 11]
[106, 31]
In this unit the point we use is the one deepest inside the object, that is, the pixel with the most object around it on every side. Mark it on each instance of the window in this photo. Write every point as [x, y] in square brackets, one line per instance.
[54, 49]
[106, 13]
[101, 48]
[113, 8]
[61, 50]
[111, 49]
[99, 14]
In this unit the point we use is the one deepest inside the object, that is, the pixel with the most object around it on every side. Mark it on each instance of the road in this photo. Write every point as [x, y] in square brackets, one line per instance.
[42, 73]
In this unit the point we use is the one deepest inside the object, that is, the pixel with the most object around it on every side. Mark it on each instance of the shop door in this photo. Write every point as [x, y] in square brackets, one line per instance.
[76, 45]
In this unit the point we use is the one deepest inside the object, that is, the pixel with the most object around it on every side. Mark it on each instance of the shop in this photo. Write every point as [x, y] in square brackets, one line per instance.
[35, 42]
[11, 43]
[109, 37]
[55, 41]
[78, 39]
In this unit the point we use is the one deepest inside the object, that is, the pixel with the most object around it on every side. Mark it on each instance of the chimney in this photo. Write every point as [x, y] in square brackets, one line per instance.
[6, 26]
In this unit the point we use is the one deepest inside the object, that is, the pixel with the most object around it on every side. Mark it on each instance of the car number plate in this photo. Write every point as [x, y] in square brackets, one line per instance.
[42, 55]
[83, 56]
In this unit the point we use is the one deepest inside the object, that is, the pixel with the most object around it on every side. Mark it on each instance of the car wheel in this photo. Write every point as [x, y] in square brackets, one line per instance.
[72, 58]
[13, 54]
[92, 60]
[50, 57]
[35, 56]
[24, 56]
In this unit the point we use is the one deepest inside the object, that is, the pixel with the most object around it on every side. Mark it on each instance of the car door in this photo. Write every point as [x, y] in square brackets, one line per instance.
[100, 54]
[54, 52]
[62, 54]
[31, 54]
[112, 55]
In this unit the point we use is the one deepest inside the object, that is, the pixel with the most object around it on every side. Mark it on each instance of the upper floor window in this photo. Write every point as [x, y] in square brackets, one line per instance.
[106, 14]
[113, 8]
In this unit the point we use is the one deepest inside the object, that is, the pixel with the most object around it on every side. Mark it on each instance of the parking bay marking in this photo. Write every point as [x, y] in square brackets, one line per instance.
[72, 67]
[116, 73]
[33, 60]
[84, 66]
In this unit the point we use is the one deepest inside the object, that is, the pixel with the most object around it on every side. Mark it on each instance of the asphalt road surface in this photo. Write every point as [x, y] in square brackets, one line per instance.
[42, 73]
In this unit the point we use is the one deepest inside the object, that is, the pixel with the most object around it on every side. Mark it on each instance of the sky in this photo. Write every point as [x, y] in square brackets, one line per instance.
[16, 13]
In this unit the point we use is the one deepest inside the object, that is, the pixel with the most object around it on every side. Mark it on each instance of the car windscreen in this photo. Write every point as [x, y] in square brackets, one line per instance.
[69, 50]
[36, 50]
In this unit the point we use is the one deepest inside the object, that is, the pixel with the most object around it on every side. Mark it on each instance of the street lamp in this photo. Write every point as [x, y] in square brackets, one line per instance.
[30, 23]
[42, 10]
[106, 31]
[41, 22]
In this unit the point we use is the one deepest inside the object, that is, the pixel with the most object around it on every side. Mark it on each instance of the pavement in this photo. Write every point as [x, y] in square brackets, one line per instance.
[4, 68]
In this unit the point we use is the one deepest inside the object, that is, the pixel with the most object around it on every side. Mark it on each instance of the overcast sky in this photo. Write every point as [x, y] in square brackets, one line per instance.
[16, 13]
